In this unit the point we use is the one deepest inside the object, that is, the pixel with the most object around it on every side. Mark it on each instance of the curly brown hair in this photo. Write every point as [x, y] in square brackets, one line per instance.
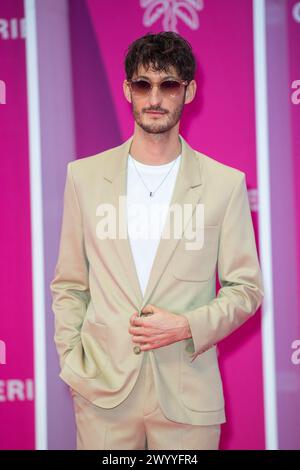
[160, 52]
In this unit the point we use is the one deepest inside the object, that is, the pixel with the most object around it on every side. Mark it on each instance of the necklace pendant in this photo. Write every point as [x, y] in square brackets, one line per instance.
[151, 194]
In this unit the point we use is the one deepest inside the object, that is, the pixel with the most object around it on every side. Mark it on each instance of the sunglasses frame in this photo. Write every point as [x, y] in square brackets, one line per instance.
[146, 92]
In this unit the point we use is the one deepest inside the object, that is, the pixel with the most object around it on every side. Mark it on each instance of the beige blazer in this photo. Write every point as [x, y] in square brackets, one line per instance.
[95, 288]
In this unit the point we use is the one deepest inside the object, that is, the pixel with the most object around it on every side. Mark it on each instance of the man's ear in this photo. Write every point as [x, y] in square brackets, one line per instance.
[126, 90]
[190, 91]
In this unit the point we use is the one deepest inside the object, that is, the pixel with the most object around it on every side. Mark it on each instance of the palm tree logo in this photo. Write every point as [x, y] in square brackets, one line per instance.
[171, 11]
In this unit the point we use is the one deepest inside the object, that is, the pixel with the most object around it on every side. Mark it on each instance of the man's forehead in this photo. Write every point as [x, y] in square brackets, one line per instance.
[149, 72]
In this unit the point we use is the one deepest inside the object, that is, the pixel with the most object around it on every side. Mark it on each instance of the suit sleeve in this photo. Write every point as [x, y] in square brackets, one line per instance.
[240, 277]
[70, 286]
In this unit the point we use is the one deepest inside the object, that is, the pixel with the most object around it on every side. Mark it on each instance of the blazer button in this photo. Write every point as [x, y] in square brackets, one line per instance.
[137, 350]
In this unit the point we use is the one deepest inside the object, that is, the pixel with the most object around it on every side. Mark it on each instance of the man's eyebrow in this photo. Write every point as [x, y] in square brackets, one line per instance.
[147, 78]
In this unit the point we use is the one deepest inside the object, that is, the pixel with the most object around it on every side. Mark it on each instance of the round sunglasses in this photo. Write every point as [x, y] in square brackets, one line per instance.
[169, 87]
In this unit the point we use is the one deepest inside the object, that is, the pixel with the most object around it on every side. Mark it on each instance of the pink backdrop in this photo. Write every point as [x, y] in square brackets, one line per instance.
[16, 376]
[294, 74]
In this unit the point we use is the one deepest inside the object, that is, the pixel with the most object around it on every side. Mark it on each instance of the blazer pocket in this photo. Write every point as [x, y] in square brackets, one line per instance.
[199, 264]
[200, 382]
[90, 356]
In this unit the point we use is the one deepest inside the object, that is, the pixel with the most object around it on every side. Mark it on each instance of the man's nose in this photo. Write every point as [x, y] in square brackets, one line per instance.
[155, 95]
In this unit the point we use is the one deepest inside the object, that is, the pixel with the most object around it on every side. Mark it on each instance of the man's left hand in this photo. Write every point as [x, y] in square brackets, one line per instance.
[157, 327]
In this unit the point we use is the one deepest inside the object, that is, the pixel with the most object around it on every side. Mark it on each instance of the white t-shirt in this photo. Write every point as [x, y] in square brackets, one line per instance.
[146, 215]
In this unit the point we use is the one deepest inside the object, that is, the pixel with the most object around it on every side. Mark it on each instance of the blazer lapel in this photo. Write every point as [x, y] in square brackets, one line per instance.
[186, 191]
[116, 173]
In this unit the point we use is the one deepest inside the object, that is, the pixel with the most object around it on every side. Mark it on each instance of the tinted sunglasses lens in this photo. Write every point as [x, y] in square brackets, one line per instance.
[140, 87]
[170, 87]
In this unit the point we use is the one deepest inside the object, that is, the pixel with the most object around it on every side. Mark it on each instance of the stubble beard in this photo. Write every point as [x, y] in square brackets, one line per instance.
[169, 120]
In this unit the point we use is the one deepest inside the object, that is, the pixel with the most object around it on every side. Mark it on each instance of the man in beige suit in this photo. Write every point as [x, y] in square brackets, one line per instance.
[137, 322]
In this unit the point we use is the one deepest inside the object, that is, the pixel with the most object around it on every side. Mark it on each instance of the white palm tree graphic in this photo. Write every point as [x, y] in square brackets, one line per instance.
[186, 10]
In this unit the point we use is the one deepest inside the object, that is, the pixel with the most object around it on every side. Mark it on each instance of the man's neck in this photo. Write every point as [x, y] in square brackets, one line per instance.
[155, 149]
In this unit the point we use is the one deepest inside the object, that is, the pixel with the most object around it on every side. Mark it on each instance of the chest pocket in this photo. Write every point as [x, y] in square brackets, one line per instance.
[198, 264]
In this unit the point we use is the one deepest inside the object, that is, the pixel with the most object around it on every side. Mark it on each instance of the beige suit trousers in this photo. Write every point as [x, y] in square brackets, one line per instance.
[138, 423]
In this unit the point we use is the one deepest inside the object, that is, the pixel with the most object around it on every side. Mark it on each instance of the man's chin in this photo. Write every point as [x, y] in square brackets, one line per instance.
[154, 129]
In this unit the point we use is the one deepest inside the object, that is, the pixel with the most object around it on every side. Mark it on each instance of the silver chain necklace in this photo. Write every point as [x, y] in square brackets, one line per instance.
[151, 193]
